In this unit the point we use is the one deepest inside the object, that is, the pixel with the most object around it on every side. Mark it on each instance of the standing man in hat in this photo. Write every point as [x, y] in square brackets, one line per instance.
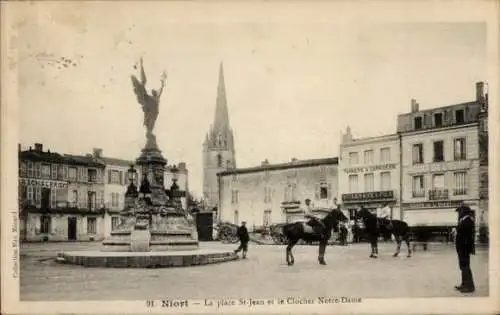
[244, 239]
[464, 244]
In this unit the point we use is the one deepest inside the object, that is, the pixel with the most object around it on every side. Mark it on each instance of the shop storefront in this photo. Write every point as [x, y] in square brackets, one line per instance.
[371, 201]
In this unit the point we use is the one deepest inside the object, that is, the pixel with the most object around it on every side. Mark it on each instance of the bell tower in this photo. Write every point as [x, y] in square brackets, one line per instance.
[218, 147]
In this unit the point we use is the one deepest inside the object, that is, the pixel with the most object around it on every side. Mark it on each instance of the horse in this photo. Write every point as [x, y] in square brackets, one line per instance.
[376, 226]
[303, 230]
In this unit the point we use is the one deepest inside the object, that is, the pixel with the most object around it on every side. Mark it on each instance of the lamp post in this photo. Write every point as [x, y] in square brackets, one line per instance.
[132, 188]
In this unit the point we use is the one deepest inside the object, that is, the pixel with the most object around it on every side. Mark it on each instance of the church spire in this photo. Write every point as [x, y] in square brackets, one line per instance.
[221, 121]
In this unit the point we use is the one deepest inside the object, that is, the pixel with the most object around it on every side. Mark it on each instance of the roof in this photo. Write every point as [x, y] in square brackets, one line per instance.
[442, 107]
[116, 161]
[280, 166]
[51, 157]
[82, 160]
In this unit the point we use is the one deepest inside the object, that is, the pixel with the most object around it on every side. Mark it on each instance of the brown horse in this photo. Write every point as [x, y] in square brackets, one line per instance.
[303, 230]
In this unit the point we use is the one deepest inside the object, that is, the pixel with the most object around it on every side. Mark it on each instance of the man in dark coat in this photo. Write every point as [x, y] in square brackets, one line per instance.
[464, 243]
[244, 239]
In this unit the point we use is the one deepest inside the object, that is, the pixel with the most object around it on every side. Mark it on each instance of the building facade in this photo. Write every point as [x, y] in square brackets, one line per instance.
[218, 148]
[59, 196]
[275, 193]
[369, 173]
[440, 161]
[65, 197]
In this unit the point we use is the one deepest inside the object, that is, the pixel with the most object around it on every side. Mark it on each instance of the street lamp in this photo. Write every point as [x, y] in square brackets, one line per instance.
[132, 174]
[132, 188]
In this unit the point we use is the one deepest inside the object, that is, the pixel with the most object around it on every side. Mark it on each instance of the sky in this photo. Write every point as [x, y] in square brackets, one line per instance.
[292, 84]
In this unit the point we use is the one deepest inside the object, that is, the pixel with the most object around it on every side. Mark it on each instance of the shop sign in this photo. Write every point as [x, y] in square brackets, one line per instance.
[433, 204]
[43, 183]
[365, 169]
[373, 195]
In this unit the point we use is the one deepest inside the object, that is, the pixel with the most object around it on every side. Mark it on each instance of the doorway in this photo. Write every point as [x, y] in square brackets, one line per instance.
[72, 229]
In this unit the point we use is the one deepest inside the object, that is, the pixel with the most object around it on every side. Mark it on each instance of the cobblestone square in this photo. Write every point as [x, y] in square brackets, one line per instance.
[264, 274]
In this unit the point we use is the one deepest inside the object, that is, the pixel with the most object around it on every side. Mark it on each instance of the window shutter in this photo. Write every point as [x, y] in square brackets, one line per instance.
[65, 172]
[329, 191]
[85, 174]
[109, 176]
[316, 191]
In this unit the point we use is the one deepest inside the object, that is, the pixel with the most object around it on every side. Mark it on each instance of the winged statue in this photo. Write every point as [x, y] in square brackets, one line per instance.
[149, 102]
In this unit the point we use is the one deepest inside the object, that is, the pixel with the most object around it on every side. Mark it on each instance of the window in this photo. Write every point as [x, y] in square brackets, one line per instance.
[418, 189]
[438, 119]
[368, 157]
[385, 155]
[54, 171]
[114, 177]
[115, 200]
[31, 172]
[45, 224]
[459, 116]
[30, 194]
[115, 222]
[37, 170]
[417, 123]
[45, 170]
[38, 196]
[438, 181]
[385, 180]
[60, 172]
[234, 196]
[323, 191]
[459, 149]
[438, 151]
[74, 198]
[92, 175]
[353, 158]
[353, 183]
[53, 198]
[22, 169]
[100, 198]
[72, 173]
[91, 225]
[235, 177]
[236, 217]
[460, 180]
[418, 153]
[438, 191]
[369, 182]
[219, 160]
[267, 218]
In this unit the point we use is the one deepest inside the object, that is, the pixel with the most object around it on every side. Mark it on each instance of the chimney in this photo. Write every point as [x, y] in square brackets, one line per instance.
[265, 162]
[39, 147]
[414, 106]
[480, 91]
[97, 152]
[19, 147]
[182, 166]
[347, 136]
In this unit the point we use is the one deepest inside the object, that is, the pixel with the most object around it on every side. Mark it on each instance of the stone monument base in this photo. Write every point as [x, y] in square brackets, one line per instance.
[146, 259]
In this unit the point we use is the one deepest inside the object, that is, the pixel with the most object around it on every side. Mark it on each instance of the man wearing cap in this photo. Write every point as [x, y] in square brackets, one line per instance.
[316, 222]
[464, 244]
[244, 239]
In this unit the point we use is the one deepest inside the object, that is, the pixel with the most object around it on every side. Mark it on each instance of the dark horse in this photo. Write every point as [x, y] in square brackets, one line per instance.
[375, 226]
[303, 230]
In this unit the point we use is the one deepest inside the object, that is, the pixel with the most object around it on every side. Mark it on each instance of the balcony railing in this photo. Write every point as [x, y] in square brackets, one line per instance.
[438, 194]
[459, 191]
[418, 193]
